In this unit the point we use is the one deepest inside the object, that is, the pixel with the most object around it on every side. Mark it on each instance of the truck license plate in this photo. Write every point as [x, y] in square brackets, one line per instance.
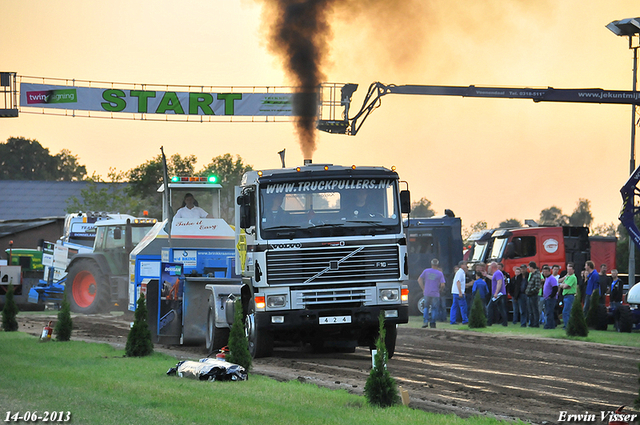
[335, 320]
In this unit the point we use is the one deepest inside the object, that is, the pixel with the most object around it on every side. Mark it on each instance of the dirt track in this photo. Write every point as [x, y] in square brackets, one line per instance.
[459, 372]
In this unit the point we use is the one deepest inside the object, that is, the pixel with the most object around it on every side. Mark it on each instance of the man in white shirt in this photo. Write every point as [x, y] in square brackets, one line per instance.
[190, 208]
[457, 293]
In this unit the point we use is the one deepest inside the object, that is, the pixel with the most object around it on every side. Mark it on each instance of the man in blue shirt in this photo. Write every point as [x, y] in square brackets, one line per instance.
[593, 283]
[480, 287]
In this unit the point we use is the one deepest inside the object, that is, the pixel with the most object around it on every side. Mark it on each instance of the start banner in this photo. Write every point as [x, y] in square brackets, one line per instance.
[156, 102]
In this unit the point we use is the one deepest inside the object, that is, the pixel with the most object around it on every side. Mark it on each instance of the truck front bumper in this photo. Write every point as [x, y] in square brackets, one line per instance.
[333, 319]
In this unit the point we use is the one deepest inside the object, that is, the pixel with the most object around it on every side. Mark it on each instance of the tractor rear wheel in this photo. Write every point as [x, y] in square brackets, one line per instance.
[87, 288]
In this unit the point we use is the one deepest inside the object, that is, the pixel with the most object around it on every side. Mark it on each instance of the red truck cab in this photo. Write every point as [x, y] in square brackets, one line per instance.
[549, 245]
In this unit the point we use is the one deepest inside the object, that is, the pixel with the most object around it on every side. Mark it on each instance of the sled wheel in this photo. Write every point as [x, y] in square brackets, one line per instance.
[215, 338]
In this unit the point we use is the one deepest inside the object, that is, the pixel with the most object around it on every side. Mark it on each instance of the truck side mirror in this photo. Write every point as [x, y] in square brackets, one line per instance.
[117, 233]
[128, 238]
[405, 201]
[247, 218]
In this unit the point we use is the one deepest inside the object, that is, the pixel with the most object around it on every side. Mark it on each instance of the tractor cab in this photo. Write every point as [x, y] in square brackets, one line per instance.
[116, 238]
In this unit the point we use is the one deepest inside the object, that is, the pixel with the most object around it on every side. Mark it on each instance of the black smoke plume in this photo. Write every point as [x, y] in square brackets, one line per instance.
[399, 35]
[299, 34]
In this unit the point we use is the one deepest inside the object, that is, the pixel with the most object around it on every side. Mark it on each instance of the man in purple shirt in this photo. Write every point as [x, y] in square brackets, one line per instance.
[549, 292]
[431, 281]
[498, 301]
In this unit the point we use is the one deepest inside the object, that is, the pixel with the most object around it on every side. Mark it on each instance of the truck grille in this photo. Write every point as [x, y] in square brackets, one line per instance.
[328, 298]
[332, 265]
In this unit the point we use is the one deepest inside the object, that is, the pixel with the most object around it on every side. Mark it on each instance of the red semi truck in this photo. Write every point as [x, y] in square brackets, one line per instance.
[544, 245]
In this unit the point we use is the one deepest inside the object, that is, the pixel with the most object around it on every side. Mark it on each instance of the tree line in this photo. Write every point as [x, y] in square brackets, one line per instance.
[27, 159]
[553, 216]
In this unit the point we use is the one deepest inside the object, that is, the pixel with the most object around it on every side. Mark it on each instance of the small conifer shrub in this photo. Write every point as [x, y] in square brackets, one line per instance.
[10, 311]
[139, 343]
[238, 343]
[380, 388]
[477, 317]
[65, 324]
[577, 325]
[592, 313]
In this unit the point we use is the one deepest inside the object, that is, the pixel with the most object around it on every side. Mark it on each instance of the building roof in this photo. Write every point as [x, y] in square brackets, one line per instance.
[8, 228]
[26, 199]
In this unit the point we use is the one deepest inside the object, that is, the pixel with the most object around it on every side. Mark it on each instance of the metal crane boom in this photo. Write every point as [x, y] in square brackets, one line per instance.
[372, 100]
[377, 90]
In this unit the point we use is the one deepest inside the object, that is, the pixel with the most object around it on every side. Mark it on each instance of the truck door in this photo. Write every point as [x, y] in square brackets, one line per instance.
[551, 247]
[520, 250]
[539, 244]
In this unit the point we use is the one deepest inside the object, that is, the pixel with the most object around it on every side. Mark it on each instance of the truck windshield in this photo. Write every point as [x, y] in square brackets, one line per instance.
[81, 232]
[138, 232]
[499, 245]
[333, 207]
[479, 252]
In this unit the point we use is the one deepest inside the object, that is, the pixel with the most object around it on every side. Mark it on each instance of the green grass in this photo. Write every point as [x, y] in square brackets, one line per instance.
[99, 386]
[601, 337]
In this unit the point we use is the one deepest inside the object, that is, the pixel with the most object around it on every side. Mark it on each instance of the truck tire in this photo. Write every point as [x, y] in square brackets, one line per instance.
[624, 318]
[317, 345]
[416, 303]
[260, 340]
[391, 334]
[603, 318]
[87, 288]
[215, 337]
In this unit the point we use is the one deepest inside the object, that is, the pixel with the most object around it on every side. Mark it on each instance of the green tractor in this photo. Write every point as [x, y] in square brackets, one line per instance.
[98, 281]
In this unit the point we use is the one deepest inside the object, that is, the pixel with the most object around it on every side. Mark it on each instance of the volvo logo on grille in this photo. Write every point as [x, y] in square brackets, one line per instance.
[285, 246]
[334, 265]
[341, 243]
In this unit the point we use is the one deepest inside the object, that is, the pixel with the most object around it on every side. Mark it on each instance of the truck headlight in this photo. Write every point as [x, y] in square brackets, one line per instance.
[276, 301]
[387, 295]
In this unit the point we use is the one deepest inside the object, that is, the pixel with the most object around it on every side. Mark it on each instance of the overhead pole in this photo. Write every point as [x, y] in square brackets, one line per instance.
[630, 27]
[632, 162]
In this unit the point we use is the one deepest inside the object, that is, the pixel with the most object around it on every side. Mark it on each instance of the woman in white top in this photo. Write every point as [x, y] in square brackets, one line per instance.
[190, 208]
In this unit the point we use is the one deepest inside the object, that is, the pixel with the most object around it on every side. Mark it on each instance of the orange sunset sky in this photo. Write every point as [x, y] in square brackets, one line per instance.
[485, 159]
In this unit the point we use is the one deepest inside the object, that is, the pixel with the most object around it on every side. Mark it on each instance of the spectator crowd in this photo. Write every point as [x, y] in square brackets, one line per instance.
[538, 296]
